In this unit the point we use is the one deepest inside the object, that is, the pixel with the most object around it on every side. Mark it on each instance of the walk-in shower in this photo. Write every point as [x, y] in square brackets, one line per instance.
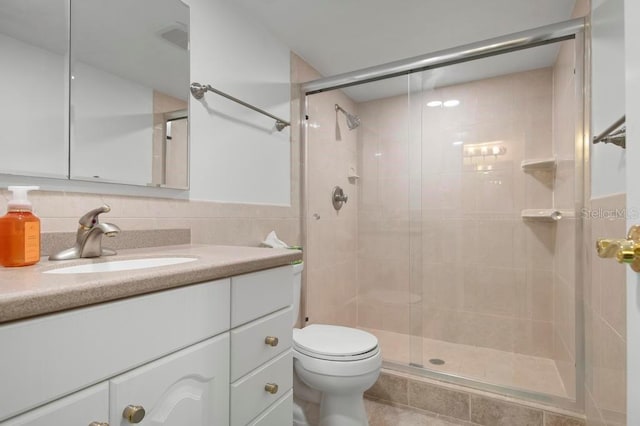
[452, 251]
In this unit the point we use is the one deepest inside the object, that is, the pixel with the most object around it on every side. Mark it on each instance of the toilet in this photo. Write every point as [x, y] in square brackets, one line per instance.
[333, 366]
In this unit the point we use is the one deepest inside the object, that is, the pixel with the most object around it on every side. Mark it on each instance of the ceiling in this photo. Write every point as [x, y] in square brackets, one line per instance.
[337, 36]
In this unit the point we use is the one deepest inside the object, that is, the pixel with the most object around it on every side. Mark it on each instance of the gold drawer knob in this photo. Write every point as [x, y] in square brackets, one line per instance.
[272, 388]
[133, 413]
[98, 424]
[271, 341]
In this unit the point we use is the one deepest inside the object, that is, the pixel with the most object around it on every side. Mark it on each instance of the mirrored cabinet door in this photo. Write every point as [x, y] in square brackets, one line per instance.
[95, 90]
[129, 92]
[34, 49]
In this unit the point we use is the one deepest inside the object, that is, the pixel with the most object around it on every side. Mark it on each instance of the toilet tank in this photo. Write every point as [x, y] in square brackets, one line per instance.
[297, 290]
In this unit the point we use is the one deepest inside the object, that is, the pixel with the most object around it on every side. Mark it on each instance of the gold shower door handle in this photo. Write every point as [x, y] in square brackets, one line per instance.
[625, 251]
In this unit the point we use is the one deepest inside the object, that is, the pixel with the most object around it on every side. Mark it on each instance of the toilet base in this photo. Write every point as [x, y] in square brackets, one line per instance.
[315, 408]
[335, 411]
[342, 410]
[300, 410]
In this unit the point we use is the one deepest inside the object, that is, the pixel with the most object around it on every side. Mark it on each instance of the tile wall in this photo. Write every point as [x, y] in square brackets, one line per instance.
[605, 304]
[209, 222]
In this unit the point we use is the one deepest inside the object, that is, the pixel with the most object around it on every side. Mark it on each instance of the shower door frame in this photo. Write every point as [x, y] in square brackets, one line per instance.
[576, 29]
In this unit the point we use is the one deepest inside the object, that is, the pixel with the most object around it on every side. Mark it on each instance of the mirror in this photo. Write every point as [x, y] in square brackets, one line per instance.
[108, 105]
[129, 91]
[33, 87]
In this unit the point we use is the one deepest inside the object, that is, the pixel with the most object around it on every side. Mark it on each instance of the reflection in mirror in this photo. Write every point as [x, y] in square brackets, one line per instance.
[170, 147]
[129, 87]
[34, 43]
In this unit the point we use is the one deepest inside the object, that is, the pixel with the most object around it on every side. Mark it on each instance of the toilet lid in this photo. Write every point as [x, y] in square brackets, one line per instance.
[333, 340]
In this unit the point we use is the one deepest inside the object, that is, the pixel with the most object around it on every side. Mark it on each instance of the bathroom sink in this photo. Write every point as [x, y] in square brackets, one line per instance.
[121, 265]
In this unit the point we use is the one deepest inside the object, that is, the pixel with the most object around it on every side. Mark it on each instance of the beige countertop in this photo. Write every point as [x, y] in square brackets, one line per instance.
[27, 291]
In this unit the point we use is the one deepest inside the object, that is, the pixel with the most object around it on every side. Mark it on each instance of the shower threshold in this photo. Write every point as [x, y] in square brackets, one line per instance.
[495, 367]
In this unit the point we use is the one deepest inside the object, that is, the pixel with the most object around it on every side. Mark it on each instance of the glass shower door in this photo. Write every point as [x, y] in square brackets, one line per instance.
[497, 205]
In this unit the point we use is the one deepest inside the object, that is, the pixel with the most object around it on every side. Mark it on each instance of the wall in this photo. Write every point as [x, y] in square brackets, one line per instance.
[218, 142]
[604, 284]
[605, 319]
[330, 255]
[607, 93]
[236, 154]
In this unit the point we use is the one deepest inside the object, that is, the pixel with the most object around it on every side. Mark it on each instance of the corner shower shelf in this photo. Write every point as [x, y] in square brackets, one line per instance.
[545, 215]
[539, 164]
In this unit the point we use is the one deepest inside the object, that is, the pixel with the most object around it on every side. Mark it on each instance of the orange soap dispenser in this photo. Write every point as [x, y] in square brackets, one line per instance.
[19, 230]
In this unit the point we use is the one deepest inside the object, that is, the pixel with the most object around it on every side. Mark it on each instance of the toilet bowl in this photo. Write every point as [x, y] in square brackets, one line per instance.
[333, 366]
[340, 363]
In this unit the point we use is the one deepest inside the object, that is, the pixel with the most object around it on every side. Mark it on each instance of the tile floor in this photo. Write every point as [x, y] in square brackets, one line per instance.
[487, 365]
[381, 414]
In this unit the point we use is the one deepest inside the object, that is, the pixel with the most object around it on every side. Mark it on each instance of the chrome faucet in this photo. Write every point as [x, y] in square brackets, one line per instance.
[89, 237]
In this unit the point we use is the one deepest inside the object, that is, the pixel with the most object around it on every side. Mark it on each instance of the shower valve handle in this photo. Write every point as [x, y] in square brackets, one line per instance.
[338, 198]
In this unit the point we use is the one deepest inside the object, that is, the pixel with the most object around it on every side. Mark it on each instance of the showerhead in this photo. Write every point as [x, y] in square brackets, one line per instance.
[353, 121]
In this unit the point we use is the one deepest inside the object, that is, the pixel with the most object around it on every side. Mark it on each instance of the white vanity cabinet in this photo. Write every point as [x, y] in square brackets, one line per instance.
[211, 354]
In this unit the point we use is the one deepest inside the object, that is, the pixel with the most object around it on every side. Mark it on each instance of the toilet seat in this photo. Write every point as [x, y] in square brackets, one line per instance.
[335, 343]
[327, 367]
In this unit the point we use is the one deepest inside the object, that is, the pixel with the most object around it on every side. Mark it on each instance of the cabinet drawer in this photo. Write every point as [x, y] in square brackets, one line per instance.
[279, 414]
[78, 409]
[85, 346]
[248, 347]
[260, 293]
[248, 395]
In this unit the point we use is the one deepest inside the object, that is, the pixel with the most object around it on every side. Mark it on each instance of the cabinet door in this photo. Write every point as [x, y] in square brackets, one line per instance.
[78, 409]
[189, 387]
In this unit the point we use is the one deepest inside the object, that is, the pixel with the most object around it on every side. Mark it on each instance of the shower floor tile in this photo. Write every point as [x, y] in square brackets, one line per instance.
[492, 366]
